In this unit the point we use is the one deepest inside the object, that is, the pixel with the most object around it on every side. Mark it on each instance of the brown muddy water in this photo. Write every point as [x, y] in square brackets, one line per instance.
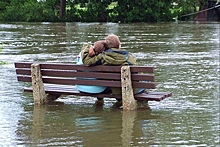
[186, 60]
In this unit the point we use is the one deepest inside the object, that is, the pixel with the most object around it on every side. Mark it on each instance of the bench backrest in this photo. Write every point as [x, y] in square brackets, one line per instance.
[72, 74]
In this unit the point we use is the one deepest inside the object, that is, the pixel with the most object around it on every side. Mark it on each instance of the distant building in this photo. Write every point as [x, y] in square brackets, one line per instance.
[209, 12]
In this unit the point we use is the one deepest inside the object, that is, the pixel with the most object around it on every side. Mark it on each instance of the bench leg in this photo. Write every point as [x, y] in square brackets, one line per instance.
[52, 97]
[40, 97]
[128, 101]
[39, 94]
[99, 98]
[142, 104]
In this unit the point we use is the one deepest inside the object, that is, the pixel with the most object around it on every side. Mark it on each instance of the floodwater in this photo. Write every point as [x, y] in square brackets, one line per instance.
[186, 60]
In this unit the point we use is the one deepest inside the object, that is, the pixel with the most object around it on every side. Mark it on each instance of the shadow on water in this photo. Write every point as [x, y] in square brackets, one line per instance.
[186, 60]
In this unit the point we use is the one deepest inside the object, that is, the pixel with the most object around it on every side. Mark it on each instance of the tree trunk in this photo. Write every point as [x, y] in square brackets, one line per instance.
[62, 9]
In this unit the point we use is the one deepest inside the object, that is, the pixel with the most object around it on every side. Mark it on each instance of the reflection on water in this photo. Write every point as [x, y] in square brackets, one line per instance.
[186, 60]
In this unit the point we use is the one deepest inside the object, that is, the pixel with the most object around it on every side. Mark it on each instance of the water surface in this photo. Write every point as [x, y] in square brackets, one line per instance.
[186, 60]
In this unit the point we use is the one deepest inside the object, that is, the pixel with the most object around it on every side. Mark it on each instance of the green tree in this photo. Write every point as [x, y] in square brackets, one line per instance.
[143, 11]
[14, 11]
[29, 10]
[96, 10]
[3, 5]
[93, 10]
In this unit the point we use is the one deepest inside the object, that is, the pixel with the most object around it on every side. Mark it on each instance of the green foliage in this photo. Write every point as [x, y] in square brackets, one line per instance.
[183, 7]
[3, 5]
[33, 11]
[73, 12]
[30, 11]
[143, 11]
[14, 11]
[84, 11]
[96, 10]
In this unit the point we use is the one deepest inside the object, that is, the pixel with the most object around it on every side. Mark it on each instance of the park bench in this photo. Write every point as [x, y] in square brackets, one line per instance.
[48, 81]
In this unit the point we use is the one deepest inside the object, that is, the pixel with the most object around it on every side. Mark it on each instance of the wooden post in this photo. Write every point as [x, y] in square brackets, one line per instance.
[39, 94]
[128, 101]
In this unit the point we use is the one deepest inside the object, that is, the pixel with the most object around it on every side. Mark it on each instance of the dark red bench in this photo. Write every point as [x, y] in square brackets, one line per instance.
[55, 79]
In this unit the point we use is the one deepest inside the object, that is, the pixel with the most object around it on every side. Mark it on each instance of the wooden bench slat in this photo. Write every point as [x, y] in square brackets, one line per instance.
[110, 76]
[151, 97]
[71, 91]
[82, 82]
[24, 78]
[96, 82]
[23, 71]
[67, 90]
[143, 77]
[149, 69]
[23, 64]
[67, 81]
[80, 67]
[68, 66]
[166, 94]
[64, 73]
[99, 75]
[107, 83]
[73, 73]
[148, 85]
